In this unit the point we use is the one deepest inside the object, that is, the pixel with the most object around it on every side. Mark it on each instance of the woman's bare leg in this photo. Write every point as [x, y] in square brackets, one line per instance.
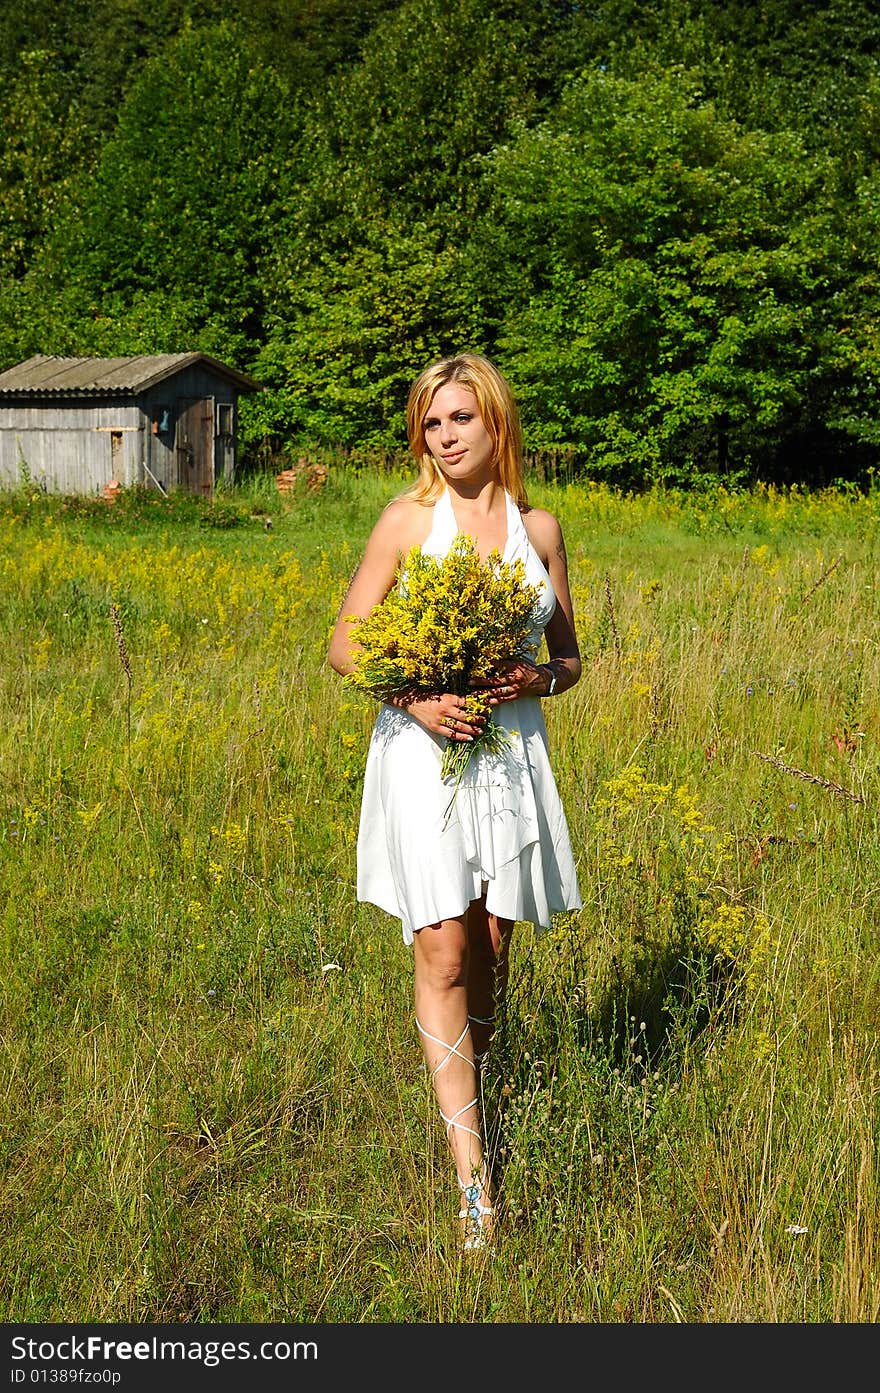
[441, 963]
[488, 966]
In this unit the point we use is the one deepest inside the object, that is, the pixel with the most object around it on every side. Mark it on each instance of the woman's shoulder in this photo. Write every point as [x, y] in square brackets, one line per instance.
[542, 526]
[406, 522]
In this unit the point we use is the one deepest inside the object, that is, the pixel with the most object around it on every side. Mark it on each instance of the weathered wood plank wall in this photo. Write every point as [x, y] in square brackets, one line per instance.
[69, 447]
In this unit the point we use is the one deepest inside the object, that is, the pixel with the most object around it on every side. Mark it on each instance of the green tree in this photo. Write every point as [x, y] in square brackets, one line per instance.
[368, 280]
[165, 246]
[653, 277]
[43, 140]
[851, 314]
[773, 65]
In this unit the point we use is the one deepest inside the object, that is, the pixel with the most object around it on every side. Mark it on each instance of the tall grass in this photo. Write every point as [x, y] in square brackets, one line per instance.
[214, 1106]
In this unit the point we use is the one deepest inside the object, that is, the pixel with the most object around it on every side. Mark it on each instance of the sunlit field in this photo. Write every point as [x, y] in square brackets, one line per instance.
[213, 1103]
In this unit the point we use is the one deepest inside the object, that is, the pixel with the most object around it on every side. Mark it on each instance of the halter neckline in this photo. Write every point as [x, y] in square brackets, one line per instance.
[515, 523]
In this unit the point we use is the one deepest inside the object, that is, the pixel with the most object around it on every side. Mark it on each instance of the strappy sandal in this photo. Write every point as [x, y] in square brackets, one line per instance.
[476, 1231]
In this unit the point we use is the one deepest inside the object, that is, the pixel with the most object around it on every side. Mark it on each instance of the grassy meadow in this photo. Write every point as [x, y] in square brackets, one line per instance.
[214, 1108]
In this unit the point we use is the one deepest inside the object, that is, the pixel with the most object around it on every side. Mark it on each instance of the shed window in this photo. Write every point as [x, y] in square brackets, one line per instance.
[224, 418]
[161, 421]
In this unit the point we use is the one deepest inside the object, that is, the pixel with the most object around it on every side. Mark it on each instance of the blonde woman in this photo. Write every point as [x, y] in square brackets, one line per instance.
[459, 884]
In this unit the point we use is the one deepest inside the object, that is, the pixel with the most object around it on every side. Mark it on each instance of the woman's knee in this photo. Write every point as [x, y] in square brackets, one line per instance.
[441, 957]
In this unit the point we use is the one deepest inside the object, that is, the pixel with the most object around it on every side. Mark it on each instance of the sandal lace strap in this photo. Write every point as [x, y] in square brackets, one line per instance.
[450, 1049]
[462, 1126]
[481, 1020]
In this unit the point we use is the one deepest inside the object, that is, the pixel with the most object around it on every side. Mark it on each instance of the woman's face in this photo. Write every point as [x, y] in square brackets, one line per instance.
[455, 433]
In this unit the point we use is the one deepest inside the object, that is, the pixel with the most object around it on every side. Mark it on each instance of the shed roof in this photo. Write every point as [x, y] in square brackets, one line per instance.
[44, 375]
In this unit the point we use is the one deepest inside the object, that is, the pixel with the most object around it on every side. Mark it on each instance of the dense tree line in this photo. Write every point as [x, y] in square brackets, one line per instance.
[663, 220]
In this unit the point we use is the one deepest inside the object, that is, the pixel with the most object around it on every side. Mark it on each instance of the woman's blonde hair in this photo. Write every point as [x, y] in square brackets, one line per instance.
[498, 411]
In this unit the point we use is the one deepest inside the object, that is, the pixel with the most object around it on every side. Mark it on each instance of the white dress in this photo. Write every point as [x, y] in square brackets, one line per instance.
[506, 835]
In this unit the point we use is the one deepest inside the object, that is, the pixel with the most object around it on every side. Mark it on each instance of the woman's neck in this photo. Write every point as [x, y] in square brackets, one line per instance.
[482, 515]
[477, 498]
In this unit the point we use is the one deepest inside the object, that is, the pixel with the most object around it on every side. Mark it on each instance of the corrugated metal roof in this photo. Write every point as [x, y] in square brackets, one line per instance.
[44, 375]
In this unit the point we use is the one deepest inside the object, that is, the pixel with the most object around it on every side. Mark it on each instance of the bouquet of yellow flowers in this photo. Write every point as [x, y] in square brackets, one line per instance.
[450, 623]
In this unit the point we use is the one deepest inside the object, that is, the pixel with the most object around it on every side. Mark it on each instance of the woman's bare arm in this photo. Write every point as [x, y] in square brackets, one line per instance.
[562, 645]
[375, 575]
[564, 660]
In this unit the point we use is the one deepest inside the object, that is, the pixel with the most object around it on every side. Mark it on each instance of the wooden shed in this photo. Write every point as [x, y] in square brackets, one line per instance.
[75, 425]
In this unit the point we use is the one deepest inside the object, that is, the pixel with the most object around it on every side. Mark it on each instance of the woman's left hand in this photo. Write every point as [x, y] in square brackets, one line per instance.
[515, 679]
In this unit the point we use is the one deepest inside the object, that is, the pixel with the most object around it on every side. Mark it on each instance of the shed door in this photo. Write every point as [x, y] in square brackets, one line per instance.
[195, 444]
[116, 456]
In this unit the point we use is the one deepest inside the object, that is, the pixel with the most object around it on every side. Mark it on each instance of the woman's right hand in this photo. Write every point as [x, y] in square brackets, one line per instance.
[444, 714]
